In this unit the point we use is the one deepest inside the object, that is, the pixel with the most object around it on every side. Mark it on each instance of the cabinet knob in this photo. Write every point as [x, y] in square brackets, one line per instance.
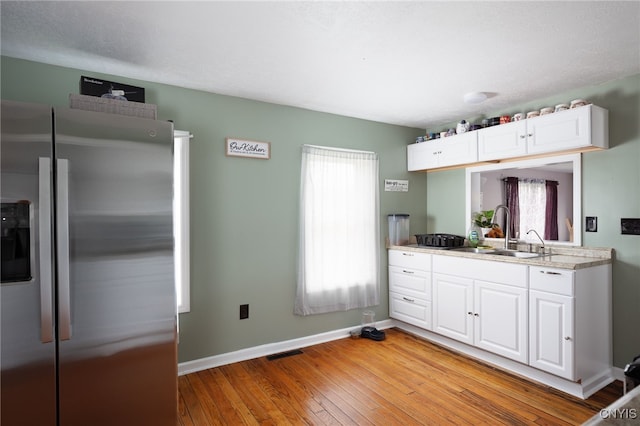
[567, 338]
[476, 314]
[469, 313]
[523, 136]
[530, 135]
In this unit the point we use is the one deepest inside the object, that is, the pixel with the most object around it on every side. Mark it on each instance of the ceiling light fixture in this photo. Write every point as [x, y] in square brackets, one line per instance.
[475, 97]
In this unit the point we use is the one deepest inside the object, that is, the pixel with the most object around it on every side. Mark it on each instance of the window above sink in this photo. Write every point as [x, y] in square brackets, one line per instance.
[485, 190]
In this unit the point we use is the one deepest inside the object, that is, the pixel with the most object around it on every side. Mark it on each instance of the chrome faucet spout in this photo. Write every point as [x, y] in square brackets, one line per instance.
[507, 231]
[541, 240]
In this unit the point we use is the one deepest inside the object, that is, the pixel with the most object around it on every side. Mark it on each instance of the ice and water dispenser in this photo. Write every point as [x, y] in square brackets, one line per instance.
[398, 229]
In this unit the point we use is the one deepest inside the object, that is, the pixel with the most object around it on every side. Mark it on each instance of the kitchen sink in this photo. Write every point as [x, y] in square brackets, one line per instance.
[516, 253]
[476, 250]
[498, 252]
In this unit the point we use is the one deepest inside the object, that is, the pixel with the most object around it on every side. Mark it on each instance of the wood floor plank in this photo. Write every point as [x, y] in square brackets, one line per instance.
[403, 380]
[393, 387]
[379, 388]
[287, 396]
[207, 402]
[324, 392]
[459, 368]
[389, 366]
[196, 412]
[234, 401]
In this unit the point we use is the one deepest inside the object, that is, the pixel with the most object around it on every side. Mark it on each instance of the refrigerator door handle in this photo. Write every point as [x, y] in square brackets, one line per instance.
[44, 224]
[62, 221]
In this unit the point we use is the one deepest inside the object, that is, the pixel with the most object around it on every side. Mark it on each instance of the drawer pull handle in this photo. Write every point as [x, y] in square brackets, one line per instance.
[408, 300]
[550, 273]
[407, 254]
[407, 272]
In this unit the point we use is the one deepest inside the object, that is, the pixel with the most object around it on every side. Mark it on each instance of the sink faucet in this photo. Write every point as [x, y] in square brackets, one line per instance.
[541, 240]
[507, 231]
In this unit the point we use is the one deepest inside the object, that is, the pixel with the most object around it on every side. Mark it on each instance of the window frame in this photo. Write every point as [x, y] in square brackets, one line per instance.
[181, 220]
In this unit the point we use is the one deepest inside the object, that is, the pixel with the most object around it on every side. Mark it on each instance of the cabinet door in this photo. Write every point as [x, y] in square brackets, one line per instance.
[453, 307]
[422, 156]
[500, 317]
[459, 149]
[503, 141]
[551, 333]
[559, 131]
[410, 309]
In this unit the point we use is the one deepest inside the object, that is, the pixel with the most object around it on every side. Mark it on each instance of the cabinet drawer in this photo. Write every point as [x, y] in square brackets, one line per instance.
[410, 281]
[552, 280]
[486, 270]
[410, 259]
[409, 309]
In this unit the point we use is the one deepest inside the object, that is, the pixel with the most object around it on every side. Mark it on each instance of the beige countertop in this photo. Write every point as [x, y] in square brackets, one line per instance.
[561, 256]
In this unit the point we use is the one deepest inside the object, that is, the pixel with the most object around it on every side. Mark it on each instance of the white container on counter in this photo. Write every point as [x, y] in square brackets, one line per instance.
[398, 229]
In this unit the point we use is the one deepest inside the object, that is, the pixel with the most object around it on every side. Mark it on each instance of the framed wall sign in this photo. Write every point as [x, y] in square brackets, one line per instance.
[251, 149]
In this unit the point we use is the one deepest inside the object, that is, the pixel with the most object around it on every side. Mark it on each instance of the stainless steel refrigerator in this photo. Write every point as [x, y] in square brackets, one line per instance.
[88, 308]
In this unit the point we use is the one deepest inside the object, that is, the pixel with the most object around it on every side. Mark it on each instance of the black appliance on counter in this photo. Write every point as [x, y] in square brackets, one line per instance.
[440, 240]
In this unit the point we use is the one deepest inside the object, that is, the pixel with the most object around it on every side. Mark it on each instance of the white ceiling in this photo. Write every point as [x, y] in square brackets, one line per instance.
[407, 63]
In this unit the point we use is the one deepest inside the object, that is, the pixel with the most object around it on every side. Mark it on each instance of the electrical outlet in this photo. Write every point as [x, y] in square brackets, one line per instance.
[244, 312]
[591, 224]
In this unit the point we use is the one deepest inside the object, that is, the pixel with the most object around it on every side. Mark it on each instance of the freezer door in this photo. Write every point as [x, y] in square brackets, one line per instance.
[117, 306]
[27, 347]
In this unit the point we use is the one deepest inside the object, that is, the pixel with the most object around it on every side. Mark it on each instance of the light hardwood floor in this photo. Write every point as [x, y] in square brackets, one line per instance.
[402, 380]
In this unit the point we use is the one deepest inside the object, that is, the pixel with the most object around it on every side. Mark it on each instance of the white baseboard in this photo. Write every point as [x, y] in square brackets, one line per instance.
[269, 349]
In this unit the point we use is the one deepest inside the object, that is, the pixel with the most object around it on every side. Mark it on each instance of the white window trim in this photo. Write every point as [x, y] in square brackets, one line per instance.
[181, 219]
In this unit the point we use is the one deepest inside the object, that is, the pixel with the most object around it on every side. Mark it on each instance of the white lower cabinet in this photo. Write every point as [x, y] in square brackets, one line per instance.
[476, 307]
[501, 321]
[550, 324]
[570, 321]
[453, 315]
[410, 287]
[551, 331]
[410, 310]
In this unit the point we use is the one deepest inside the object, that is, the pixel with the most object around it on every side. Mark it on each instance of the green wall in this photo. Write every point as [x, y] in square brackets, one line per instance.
[244, 212]
[610, 191]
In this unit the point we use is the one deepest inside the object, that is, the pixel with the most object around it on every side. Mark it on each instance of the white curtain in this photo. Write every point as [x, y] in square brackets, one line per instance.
[533, 198]
[338, 259]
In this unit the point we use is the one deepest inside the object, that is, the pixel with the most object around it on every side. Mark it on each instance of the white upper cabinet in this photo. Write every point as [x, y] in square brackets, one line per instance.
[450, 151]
[574, 130]
[583, 127]
[503, 141]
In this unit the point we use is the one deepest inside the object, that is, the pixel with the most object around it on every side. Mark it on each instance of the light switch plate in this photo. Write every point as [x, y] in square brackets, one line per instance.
[591, 224]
